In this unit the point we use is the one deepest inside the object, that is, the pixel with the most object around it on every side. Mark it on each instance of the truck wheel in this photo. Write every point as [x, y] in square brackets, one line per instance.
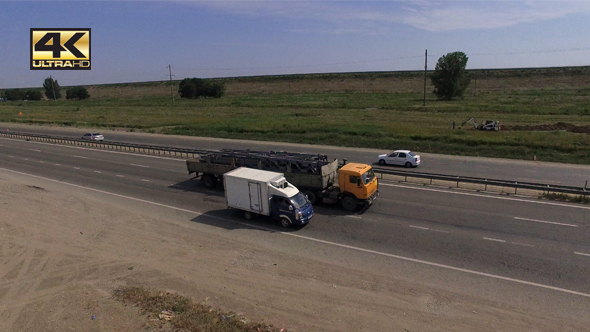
[248, 215]
[313, 197]
[349, 203]
[209, 180]
[285, 222]
[381, 162]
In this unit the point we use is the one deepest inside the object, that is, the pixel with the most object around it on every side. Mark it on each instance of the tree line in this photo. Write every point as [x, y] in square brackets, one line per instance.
[450, 80]
[52, 91]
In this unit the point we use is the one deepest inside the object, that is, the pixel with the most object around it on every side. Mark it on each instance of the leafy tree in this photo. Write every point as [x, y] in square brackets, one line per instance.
[14, 94]
[18, 94]
[33, 94]
[77, 92]
[450, 79]
[196, 88]
[52, 88]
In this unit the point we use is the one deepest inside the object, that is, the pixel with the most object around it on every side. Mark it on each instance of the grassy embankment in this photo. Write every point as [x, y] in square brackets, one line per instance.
[164, 309]
[373, 110]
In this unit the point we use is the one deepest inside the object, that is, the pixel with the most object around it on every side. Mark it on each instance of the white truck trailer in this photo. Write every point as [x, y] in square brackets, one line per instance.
[259, 192]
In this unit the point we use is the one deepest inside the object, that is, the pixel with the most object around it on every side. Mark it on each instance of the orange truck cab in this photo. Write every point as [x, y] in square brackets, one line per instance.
[358, 185]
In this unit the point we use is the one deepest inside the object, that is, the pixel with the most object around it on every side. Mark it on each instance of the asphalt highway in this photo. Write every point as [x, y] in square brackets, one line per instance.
[500, 169]
[490, 245]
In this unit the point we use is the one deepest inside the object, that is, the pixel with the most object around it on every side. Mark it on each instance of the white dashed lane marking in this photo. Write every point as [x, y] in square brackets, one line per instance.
[581, 253]
[546, 222]
[35, 150]
[140, 165]
[429, 229]
[495, 240]
[423, 228]
[523, 244]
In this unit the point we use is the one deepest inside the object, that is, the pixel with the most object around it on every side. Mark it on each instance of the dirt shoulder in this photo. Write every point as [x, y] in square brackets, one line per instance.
[63, 251]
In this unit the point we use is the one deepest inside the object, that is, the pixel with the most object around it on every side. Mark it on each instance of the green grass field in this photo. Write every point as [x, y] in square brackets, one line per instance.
[372, 110]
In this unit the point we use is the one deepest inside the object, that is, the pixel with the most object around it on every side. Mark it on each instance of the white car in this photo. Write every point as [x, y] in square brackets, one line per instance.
[93, 137]
[399, 157]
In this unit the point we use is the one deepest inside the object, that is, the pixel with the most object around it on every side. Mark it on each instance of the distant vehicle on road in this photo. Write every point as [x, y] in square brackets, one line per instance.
[399, 157]
[93, 137]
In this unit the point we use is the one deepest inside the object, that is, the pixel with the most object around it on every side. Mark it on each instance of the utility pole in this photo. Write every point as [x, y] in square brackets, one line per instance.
[52, 87]
[425, 68]
[171, 91]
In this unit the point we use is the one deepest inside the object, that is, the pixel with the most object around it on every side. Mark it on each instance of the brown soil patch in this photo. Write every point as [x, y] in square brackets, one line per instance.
[549, 127]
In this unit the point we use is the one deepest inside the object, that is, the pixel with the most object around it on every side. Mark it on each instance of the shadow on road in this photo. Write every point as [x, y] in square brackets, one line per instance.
[232, 219]
[194, 185]
[217, 196]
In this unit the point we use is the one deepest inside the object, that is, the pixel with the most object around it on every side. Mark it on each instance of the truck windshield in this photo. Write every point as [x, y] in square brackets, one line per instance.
[299, 200]
[368, 176]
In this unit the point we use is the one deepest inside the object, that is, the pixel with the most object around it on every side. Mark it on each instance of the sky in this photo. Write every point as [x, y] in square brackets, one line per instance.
[136, 41]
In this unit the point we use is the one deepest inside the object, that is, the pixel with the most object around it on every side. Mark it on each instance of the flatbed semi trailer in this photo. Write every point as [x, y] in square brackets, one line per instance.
[350, 184]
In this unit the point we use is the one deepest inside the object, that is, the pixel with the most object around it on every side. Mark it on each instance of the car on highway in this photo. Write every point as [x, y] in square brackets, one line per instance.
[93, 137]
[399, 157]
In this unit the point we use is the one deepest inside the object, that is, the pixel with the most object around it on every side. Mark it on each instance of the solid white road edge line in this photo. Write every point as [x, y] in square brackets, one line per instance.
[408, 259]
[546, 222]
[486, 196]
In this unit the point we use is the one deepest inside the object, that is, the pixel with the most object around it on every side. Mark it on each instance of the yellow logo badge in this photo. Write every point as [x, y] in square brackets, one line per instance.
[60, 49]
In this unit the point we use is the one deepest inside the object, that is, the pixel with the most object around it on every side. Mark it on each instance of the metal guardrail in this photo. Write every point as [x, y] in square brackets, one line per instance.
[117, 146]
[192, 153]
[583, 191]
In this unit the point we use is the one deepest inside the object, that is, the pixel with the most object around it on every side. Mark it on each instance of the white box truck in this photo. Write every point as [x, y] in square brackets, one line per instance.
[259, 192]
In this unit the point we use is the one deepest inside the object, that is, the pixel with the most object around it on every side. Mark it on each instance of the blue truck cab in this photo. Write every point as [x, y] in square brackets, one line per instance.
[296, 210]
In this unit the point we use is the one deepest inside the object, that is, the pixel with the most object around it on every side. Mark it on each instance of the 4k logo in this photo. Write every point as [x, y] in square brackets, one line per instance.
[56, 49]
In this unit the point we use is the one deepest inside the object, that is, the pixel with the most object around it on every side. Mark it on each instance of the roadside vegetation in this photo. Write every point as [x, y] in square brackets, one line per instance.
[164, 309]
[370, 110]
[566, 198]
